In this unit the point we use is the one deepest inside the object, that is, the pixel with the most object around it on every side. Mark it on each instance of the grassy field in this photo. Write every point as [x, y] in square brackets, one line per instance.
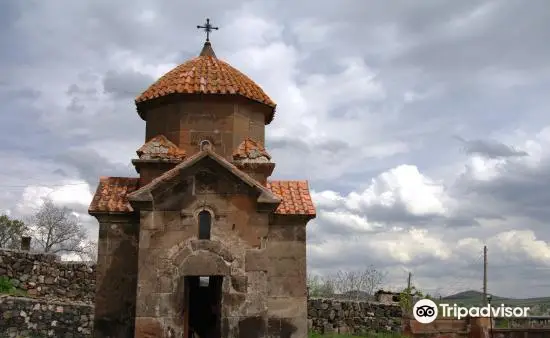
[371, 335]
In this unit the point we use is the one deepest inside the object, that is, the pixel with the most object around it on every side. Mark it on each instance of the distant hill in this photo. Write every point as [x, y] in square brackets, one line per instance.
[470, 294]
[540, 305]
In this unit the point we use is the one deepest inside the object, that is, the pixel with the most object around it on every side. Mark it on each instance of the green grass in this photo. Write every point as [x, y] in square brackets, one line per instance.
[369, 335]
[7, 288]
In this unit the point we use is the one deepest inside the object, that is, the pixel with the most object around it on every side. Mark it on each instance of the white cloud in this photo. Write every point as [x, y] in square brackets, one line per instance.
[71, 193]
[404, 185]
[522, 243]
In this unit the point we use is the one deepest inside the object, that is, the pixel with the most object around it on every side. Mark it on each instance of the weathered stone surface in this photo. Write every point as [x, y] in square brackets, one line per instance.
[239, 283]
[252, 327]
[204, 264]
[233, 304]
[292, 286]
[115, 295]
[148, 328]
[286, 307]
[256, 260]
[327, 315]
[45, 276]
[25, 317]
[287, 233]
[287, 267]
[286, 249]
[214, 247]
[256, 304]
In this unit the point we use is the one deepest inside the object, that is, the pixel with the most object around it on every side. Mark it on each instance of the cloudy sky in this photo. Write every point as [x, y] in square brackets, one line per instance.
[422, 126]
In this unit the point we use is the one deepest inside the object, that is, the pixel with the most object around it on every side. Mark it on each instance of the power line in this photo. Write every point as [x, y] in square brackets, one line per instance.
[42, 185]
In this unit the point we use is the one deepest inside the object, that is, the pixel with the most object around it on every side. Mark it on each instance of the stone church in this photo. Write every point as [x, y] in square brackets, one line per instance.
[202, 243]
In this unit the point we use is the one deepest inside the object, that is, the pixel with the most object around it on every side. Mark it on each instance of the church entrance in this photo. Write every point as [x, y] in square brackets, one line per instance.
[203, 300]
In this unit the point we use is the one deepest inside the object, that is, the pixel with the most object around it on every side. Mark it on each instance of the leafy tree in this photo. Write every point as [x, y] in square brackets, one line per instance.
[407, 297]
[11, 231]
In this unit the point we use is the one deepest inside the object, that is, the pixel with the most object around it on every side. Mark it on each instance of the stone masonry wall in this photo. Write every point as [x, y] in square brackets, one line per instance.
[45, 276]
[336, 316]
[26, 317]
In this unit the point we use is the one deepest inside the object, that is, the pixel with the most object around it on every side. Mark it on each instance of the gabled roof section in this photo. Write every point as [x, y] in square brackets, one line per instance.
[159, 147]
[295, 197]
[251, 151]
[144, 193]
[110, 195]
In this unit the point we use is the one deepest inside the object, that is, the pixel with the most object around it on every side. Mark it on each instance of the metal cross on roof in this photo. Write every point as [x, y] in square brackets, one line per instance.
[207, 28]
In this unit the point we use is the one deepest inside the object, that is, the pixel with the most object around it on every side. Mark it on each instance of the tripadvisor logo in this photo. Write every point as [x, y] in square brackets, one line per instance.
[426, 311]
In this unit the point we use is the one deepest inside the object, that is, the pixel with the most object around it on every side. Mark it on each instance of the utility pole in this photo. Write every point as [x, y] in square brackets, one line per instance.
[485, 275]
[409, 293]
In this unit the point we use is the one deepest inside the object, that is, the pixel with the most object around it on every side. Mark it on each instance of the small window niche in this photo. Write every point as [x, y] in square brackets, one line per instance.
[205, 224]
[205, 145]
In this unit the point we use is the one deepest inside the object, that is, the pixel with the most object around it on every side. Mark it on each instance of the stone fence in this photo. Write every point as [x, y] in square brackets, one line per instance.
[26, 317]
[337, 316]
[44, 276]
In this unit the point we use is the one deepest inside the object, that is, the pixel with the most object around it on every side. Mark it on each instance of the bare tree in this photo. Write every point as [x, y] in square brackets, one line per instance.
[89, 252]
[372, 279]
[320, 286]
[357, 284]
[56, 230]
[348, 283]
[11, 231]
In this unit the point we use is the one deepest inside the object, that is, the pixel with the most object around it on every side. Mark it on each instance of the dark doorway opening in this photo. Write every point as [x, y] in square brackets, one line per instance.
[204, 306]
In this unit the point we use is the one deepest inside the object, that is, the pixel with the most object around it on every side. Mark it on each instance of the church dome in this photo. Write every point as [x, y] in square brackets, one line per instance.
[206, 74]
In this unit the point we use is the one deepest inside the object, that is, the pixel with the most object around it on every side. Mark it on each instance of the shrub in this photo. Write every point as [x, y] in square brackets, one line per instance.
[7, 287]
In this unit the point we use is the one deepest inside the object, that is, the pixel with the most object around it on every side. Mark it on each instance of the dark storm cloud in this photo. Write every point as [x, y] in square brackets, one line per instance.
[518, 190]
[323, 147]
[490, 149]
[485, 40]
[398, 215]
[90, 165]
[126, 84]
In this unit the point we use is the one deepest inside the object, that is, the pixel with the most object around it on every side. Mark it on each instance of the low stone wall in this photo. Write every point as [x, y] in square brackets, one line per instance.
[26, 318]
[45, 276]
[336, 316]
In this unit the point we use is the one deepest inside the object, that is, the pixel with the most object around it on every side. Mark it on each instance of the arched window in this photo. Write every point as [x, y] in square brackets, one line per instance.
[205, 224]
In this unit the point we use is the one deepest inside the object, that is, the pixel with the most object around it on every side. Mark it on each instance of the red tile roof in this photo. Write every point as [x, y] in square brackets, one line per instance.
[111, 196]
[206, 74]
[111, 193]
[250, 150]
[295, 196]
[159, 147]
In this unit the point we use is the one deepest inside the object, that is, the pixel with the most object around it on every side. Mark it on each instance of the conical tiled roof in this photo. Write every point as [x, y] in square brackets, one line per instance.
[206, 74]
